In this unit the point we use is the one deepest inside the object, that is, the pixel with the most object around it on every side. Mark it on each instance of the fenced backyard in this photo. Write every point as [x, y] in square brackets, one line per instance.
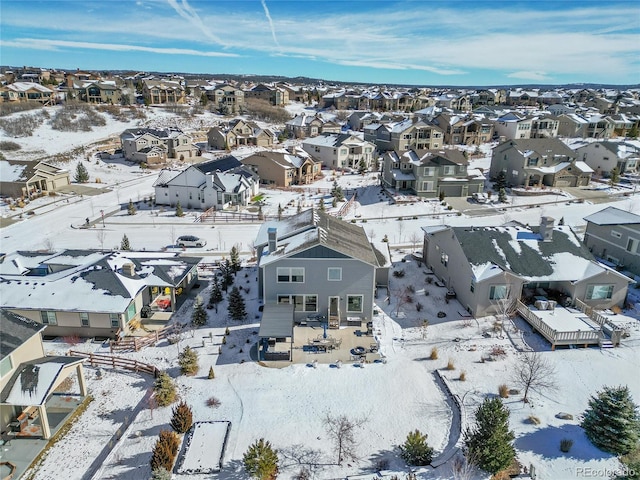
[101, 360]
[133, 344]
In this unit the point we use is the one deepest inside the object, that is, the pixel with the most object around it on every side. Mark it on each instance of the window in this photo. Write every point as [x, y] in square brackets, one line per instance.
[354, 303]
[444, 259]
[6, 365]
[301, 303]
[84, 319]
[290, 275]
[616, 234]
[498, 292]
[473, 286]
[599, 292]
[334, 274]
[49, 318]
[449, 170]
[115, 320]
[429, 171]
[428, 186]
[632, 245]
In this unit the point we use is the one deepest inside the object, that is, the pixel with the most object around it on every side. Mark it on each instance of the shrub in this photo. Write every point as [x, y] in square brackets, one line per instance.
[498, 352]
[165, 450]
[415, 450]
[213, 402]
[8, 146]
[211, 375]
[532, 419]
[398, 273]
[182, 418]
[71, 339]
[434, 353]
[451, 365]
[164, 390]
[160, 473]
[463, 376]
[411, 288]
[263, 110]
[418, 306]
[565, 445]
[503, 391]
[188, 361]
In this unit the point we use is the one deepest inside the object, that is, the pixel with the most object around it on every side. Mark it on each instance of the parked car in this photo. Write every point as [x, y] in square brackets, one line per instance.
[480, 197]
[191, 241]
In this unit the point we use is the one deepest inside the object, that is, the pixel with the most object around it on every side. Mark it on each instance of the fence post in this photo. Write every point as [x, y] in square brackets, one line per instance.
[157, 339]
[113, 361]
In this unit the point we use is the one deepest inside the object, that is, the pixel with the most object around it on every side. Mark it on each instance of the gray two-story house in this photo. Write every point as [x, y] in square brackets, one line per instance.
[614, 235]
[322, 266]
[427, 173]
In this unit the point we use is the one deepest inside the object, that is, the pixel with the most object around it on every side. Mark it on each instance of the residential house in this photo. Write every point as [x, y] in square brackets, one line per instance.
[322, 266]
[340, 151]
[360, 119]
[100, 92]
[238, 133]
[157, 92]
[283, 168]
[487, 266]
[522, 98]
[216, 184]
[464, 129]
[427, 173]
[544, 127]
[29, 404]
[625, 124]
[228, 98]
[274, 95]
[407, 134]
[31, 178]
[488, 97]
[154, 147]
[512, 125]
[538, 162]
[27, 92]
[593, 126]
[604, 156]
[614, 236]
[345, 100]
[304, 126]
[90, 293]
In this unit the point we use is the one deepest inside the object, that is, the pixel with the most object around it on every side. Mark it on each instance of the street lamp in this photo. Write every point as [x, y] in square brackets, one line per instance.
[102, 215]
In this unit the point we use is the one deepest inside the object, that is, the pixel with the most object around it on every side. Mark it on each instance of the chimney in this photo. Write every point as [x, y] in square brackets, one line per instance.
[272, 234]
[129, 269]
[546, 228]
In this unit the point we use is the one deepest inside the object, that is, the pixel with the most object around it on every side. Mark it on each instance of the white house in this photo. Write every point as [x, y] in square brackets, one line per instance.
[340, 150]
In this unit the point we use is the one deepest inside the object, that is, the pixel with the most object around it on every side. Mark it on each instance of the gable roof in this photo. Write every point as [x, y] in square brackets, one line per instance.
[16, 330]
[543, 146]
[613, 216]
[226, 163]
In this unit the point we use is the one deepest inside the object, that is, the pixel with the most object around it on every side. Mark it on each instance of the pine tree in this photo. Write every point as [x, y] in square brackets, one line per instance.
[321, 207]
[199, 315]
[334, 202]
[501, 181]
[216, 295]
[261, 460]
[299, 207]
[612, 421]
[415, 450]
[181, 417]
[212, 374]
[227, 274]
[131, 209]
[362, 167]
[82, 175]
[160, 473]
[336, 191]
[236, 308]
[124, 243]
[280, 212]
[489, 443]
[614, 176]
[164, 390]
[188, 361]
[165, 450]
[179, 211]
[502, 196]
[234, 256]
[561, 221]
[260, 214]
[441, 195]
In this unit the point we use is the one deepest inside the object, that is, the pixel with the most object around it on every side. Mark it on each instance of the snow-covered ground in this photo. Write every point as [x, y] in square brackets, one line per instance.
[287, 406]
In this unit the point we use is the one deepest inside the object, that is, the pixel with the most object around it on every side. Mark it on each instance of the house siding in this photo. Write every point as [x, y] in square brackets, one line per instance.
[603, 244]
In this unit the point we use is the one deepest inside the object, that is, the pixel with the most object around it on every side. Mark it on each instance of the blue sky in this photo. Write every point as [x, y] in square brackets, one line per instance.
[419, 42]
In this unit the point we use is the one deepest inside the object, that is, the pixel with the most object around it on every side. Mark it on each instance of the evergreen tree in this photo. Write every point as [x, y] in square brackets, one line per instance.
[236, 308]
[179, 212]
[501, 181]
[336, 191]
[212, 374]
[260, 214]
[234, 257]
[612, 421]
[165, 450]
[131, 209]
[82, 175]
[188, 361]
[614, 176]
[181, 417]
[633, 133]
[489, 443]
[321, 207]
[261, 460]
[299, 207]
[502, 196]
[204, 99]
[160, 473]
[227, 274]
[362, 167]
[164, 390]
[216, 295]
[124, 243]
[561, 221]
[441, 195]
[415, 450]
[199, 315]
[334, 202]
[280, 212]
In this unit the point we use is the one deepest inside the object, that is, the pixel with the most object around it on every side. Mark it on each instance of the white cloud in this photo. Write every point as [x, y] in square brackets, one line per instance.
[524, 75]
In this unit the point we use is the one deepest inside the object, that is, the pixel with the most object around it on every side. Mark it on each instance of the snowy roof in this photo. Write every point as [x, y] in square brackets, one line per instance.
[613, 216]
[26, 86]
[16, 330]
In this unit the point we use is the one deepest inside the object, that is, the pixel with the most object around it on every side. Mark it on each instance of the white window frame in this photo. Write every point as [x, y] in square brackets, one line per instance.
[334, 270]
[428, 186]
[603, 292]
[49, 317]
[632, 245]
[3, 365]
[616, 234]
[288, 272]
[449, 170]
[114, 319]
[84, 316]
[361, 297]
[429, 171]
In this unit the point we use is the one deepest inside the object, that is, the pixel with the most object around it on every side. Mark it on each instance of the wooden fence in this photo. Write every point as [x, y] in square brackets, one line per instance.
[96, 359]
[133, 344]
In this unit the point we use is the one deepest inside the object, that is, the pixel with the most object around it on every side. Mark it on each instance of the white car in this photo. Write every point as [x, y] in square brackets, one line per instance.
[191, 241]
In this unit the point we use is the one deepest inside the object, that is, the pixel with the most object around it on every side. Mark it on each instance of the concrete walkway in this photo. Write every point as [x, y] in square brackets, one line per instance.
[453, 401]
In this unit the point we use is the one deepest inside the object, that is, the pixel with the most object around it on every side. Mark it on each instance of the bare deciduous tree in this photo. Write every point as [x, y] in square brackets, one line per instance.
[102, 235]
[402, 297]
[414, 239]
[533, 372]
[342, 431]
